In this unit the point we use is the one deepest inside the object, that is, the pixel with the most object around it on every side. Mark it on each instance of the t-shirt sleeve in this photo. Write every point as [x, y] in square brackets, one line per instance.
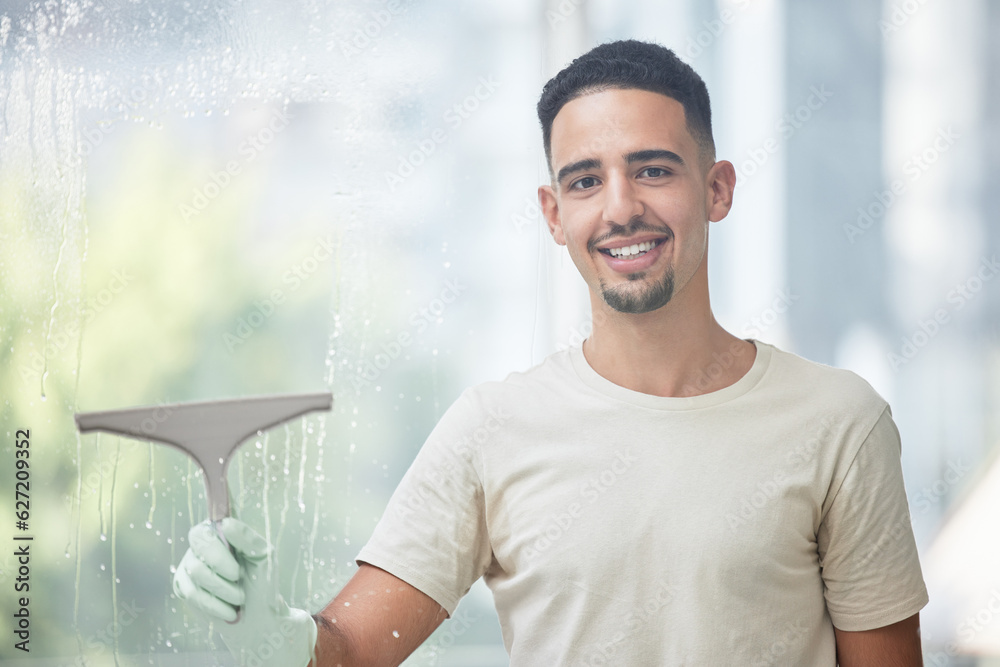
[870, 567]
[433, 533]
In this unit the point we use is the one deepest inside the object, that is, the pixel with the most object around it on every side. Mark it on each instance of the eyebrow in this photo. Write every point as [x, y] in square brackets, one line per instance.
[635, 156]
[573, 167]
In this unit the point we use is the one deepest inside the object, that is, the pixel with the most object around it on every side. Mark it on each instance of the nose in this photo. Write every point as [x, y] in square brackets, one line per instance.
[622, 202]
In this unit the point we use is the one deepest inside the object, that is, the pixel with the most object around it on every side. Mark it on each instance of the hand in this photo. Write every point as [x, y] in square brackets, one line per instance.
[213, 582]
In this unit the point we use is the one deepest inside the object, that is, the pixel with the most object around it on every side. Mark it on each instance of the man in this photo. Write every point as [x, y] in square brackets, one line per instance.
[664, 494]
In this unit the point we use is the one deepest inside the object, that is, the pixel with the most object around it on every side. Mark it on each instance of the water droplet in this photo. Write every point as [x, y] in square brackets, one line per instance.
[104, 538]
[149, 525]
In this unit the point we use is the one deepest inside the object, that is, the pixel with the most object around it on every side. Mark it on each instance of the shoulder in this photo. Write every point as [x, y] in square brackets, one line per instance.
[840, 389]
[550, 375]
[488, 411]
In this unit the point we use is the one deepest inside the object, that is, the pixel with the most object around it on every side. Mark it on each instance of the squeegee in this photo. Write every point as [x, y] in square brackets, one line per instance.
[210, 432]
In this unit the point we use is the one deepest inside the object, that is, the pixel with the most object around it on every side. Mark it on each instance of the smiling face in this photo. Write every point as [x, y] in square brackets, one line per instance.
[633, 196]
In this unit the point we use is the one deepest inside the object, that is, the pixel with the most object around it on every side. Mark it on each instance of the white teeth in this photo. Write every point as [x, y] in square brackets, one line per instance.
[636, 249]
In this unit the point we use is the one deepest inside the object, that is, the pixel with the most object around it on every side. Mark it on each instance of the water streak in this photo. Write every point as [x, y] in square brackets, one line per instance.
[79, 529]
[284, 506]
[311, 563]
[152, 488]
[267, 515]
[241, 494]
[302, 467]
[190, 472]
[55, 290]
[114, 555]
[79, 437]
[100, 492]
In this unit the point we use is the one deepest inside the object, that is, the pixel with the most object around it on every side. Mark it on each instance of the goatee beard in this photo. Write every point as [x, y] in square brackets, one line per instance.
[626, 300]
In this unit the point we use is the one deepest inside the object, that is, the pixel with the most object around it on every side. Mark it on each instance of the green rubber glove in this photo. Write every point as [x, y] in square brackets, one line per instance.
[213, 583]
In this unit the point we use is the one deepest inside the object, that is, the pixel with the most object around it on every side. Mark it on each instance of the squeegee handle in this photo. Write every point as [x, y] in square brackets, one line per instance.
[218, 529]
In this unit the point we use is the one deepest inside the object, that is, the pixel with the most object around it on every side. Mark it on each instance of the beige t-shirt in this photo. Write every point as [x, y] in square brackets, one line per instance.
[615, 527]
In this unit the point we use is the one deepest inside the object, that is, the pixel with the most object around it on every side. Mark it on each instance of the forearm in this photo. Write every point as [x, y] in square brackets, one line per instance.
[896, 645]
[376, 620]
[332, 644]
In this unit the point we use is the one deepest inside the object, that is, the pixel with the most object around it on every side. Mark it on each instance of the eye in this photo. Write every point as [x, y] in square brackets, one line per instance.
[584, 183]
[655, 172]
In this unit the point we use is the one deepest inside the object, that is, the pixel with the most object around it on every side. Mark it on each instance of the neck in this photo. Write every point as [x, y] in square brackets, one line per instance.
[677, 350]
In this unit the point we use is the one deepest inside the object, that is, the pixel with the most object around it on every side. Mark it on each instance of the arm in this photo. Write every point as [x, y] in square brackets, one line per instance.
[869, 561]
[896, 645]
[357, 627]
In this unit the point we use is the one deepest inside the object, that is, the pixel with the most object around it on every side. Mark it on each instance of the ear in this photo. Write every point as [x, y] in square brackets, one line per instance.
[721, 182]
[550, 209]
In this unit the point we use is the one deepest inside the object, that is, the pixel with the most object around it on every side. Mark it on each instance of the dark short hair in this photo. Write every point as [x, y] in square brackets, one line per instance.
[630, 64]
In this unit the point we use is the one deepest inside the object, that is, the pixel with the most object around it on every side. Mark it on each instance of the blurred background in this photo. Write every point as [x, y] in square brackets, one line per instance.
[222, 199]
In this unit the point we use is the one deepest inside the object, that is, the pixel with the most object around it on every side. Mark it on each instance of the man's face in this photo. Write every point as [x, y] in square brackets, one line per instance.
[627, 174]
